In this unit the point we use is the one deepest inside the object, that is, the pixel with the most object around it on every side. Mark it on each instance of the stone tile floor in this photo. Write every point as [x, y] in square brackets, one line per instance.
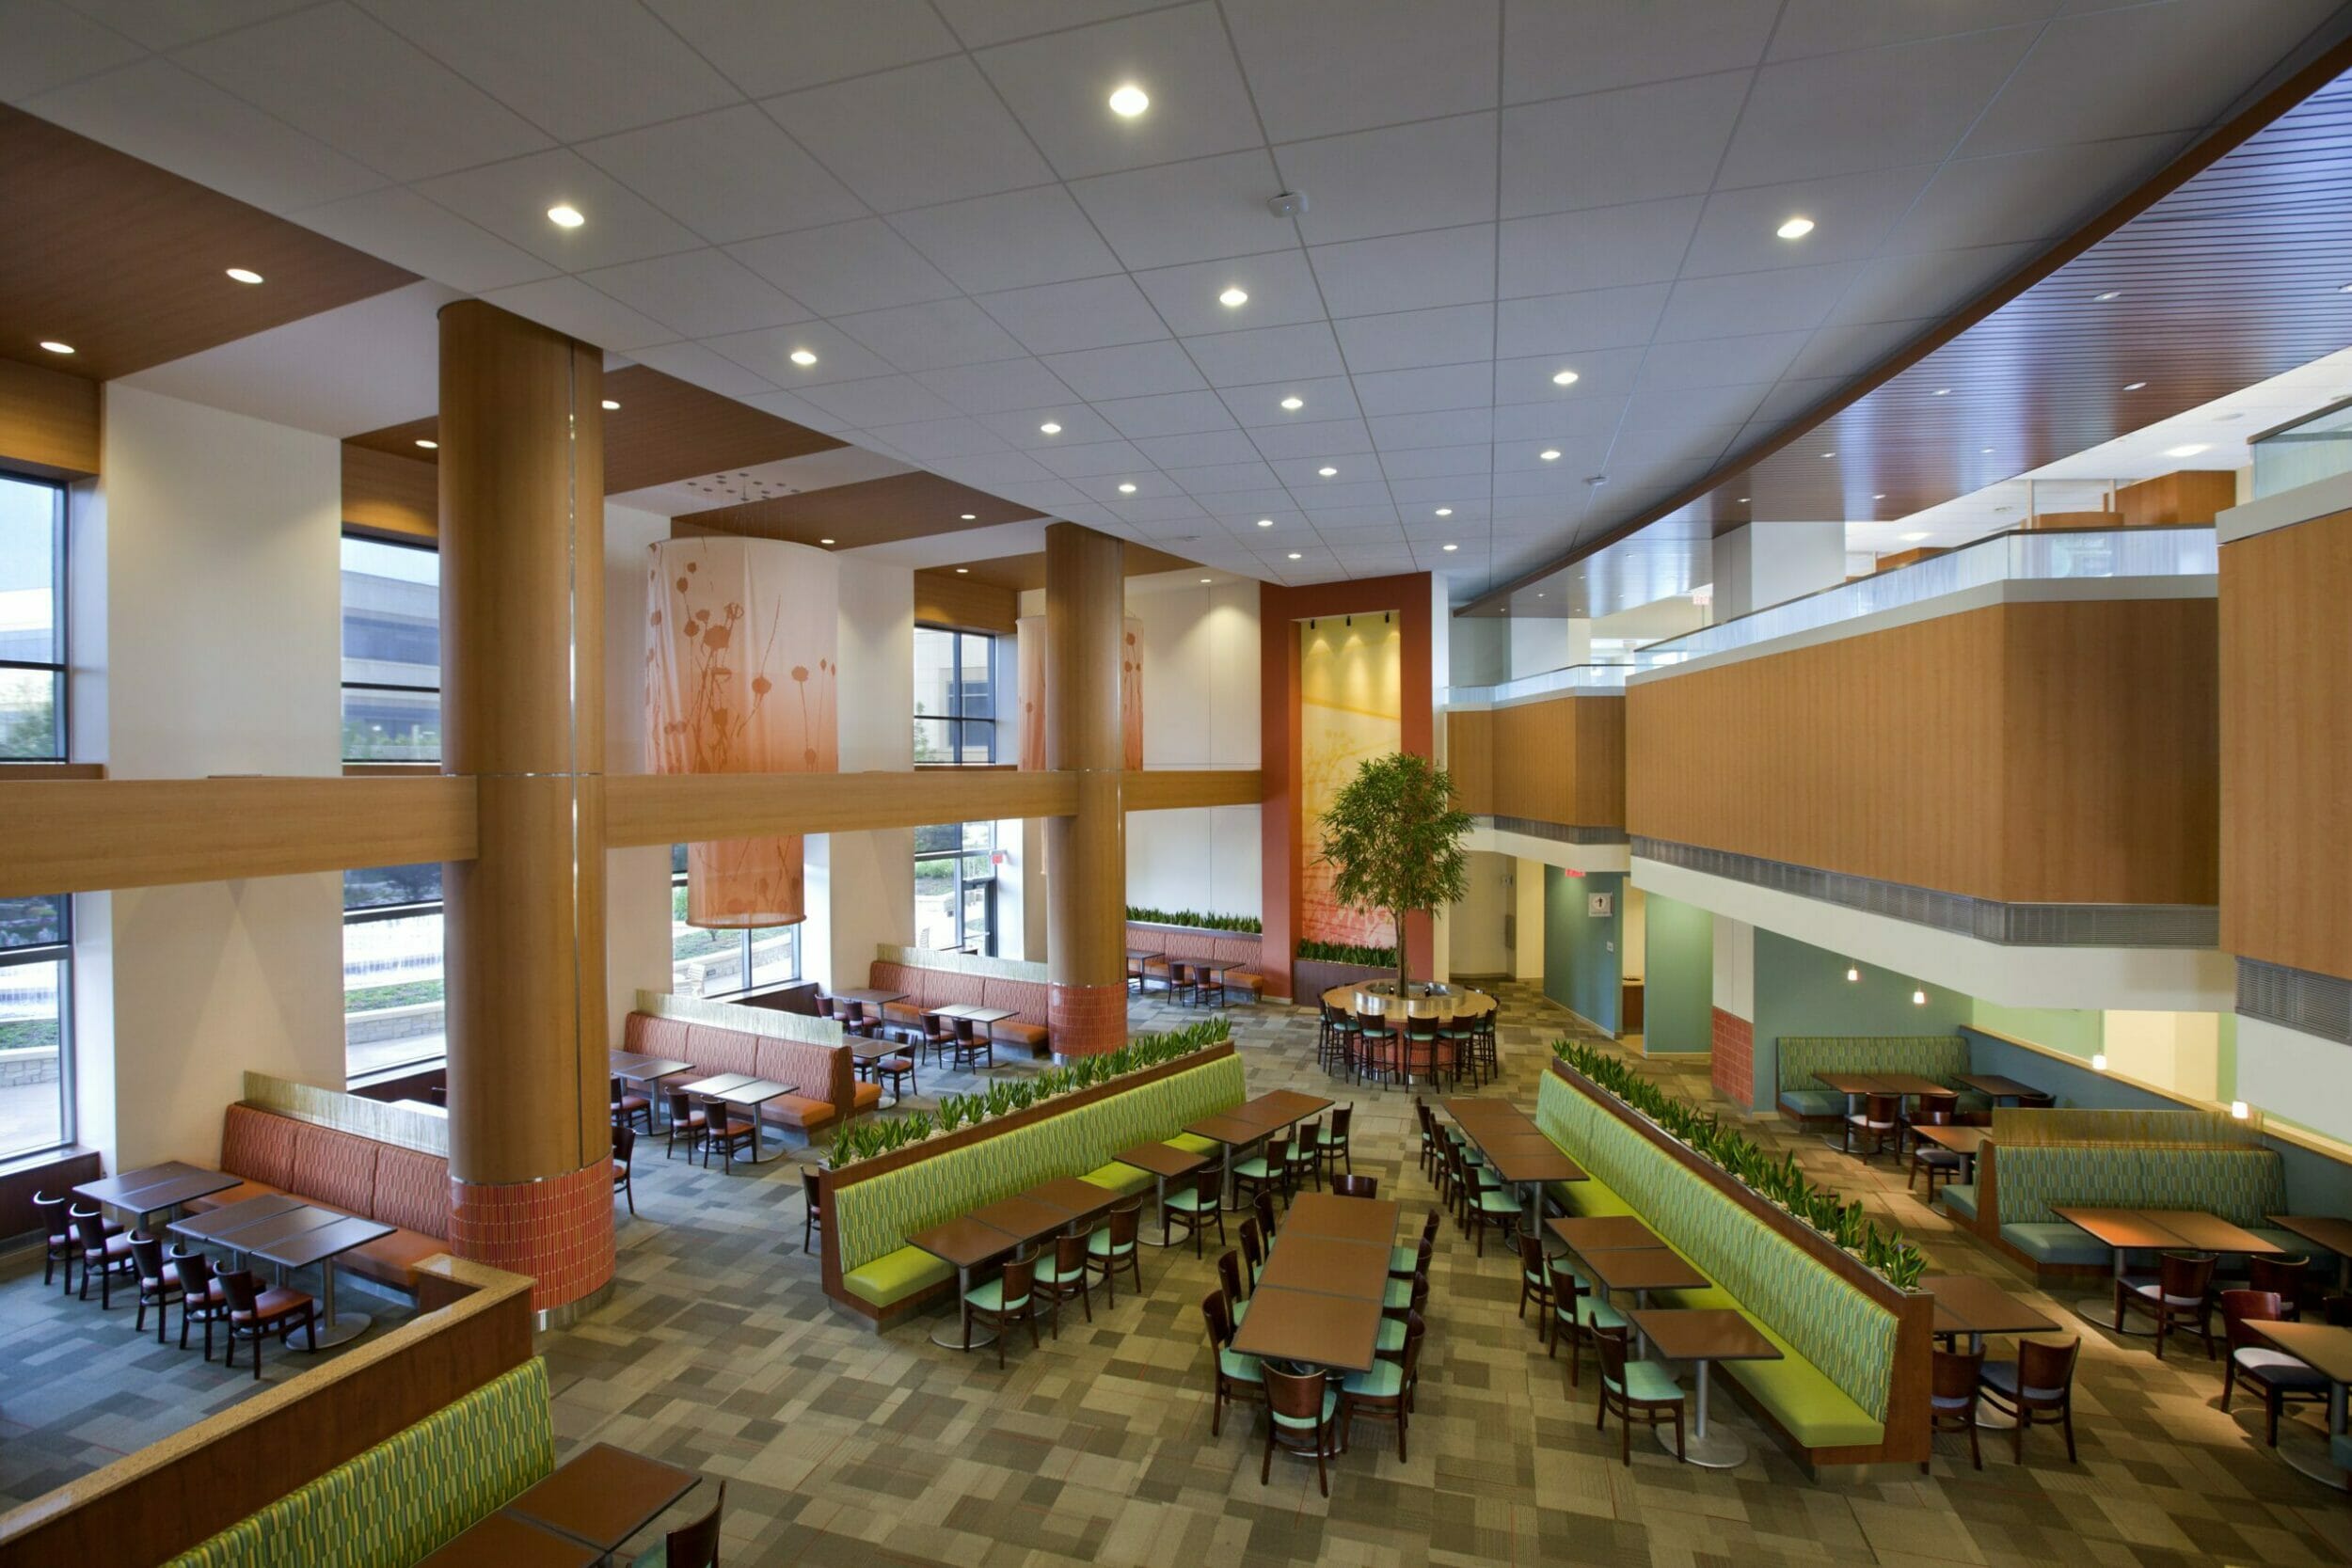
[718, 1350]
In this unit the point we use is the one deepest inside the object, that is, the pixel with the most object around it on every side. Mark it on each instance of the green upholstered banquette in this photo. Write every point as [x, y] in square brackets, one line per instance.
[2031, 1180]
[873, 1215]
[408, 1496]
[1834, 1387]
[1936, 1056]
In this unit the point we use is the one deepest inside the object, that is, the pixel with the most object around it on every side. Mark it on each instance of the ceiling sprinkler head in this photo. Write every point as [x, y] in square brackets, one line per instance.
[1289, 204]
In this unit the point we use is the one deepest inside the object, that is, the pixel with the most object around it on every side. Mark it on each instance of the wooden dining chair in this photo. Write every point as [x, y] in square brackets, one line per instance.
[1263, 1206]
[1953, 1380]
[813, 1216]
[1405, 1260]
[1267, 1171]
[2036, 1388]
[2181, 1292]
[1577, 1316]
[1635, 1390]
[1229, 1276]
[1396, 1311]
[685, 1121]
[2283, 1278]
[2272, 1373]
[201, 1299]
[1381, 1391]
[255, 1313]
[1398, 1296]
[1253, 1249]
[1111, 1246]
[1878, 1121]
[64, 1246]
[1238, 1376]
[726, 1128]
[1306, 1160]
[1065, 1275]
[1535, 1279]
[972, 1048]
[898, 1074]
[108, 1257]
[1299, 1410]
[1195, 1206]
[159, 1284]
[695, 1544]
[1356, 1186]
[1007, 1299]
[1929, 1156]
[629, 1106]
[623, 1149]
[1489, 1202]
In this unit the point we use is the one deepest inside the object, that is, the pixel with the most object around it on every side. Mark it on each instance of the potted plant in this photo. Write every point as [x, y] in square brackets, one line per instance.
[1393, 837]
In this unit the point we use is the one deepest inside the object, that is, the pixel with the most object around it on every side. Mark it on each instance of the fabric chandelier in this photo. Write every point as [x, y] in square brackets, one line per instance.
[1030, 631]
[741, 671]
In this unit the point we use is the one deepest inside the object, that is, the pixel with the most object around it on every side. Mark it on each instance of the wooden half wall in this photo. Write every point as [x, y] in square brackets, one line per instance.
[2024, 753]
[1560, 760]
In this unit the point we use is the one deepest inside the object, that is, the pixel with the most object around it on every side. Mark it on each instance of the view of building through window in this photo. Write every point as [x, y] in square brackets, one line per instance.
[36, 934]
[392, 652]
[955, 695]
[707, 962]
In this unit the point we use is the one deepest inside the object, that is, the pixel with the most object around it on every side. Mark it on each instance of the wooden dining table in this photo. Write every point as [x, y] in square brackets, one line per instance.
[2127, 1231]
[156, 1189]
[2327, 1350]
[1855, 1085]
[1323, 1309]
[1702, 1336]
[1163, 1161]
[602, 1495]
[2327, 1233]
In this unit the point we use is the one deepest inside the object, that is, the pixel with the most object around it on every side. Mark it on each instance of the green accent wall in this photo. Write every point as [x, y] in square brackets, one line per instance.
[1802, 990]
[2080, 1031]
[1678, 1004]
[1583, 955]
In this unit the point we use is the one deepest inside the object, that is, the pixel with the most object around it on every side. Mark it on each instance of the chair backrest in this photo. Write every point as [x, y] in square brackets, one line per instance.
[149, 1251]
[808, 1185]
[53, 1217]
[1880, 1109]
[1278, 1150]
[1069, 1258]
[1020, 1274]
[1220, 1318]
[1263, 1203]
[1954, 1374]
[715, 1111]
[2283, 1274]
[1298, 1395]
[624, 1144]
[89, 1225]
[616, 1091]
[195, 1272]
[963, 1027]
[2240, 1307]
[1935, 1113]
[1341, 1115]
[1252, 1247]
[1611, 1345]
[241, 1289]
[681, 1106]
[1429, 1230]
[2186, 1273]
[852, 1014]
[1208, 1186]
[2337, 1310]
[1356, 1186]
[2043, 1364]
[1123, 1221]
[1565, 1287]
[825, 1008]
[696, 1545]
[1309, 1134]
[1532, 1254]
[1228, 1275]
[1416, 1329]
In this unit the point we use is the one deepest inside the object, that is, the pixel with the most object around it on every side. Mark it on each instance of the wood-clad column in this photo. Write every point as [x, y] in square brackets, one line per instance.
[522, 704]
[1086, 854]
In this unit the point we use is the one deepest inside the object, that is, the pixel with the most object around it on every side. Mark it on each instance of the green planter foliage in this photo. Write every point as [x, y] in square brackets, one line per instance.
[1347, 953]
[1195, 919]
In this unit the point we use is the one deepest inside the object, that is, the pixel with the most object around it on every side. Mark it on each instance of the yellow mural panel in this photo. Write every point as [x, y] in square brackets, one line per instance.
[1351, 709]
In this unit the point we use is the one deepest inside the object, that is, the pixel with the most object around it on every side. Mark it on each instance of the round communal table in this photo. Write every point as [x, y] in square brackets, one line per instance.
[1430, 1000]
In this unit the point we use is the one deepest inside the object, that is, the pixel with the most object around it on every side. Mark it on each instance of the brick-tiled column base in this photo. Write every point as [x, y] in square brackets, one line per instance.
[1086, 1020]
[1734, 1064]
[559, 1231]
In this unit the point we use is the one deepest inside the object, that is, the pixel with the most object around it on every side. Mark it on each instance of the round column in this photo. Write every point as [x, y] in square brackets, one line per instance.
[1085, 896]
[522, 704]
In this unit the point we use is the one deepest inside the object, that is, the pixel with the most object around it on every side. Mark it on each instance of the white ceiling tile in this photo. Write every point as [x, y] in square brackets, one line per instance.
[1408, 272]
[1464, 494]
[933, 336]
[156, 111]
[1852, 215]
[769, 49]
[981, 22]
[1896, 288]
[1590, 319]
[1848, 351]
[1550, 50]
[1327, 439]
[1417, 391]
[1833, 27]
[1244, 510]
[1444, 428]
[999, 387]
[356, 85]
[1721, 361]
[574, 309]
[1596, 248]
[1168, 414]
[728, 175]
[1137, 369]
[1551, 421]
[1413, 339]
[1356, 484]
[1058, 86]
[1092, 312]
[1093, 459]
[1012, 241]
[1267, 354]
[999, 468]
[885, 400]
[1224, 478]
[931, 439]
[49, 46]
[845, 268]
[1600, 372]
[839, 358]
[1321, 398]
[1786, 300]
[1662, 140]
[1321, 67]
[511, 200]
[1166, 510]
[1192, 212]
[402, 228]
[2036, 195]
[168, 26]
[1436, 462]
[1432, 174]
[792, 406]
[574, 67]
[1793, 395]
[1872, 108]
[1280, 286]
[1689, 409]
[1219, 448]
[961, 143]
[700, 294]
[706, 367]
[1579, 455]
[1020, 427]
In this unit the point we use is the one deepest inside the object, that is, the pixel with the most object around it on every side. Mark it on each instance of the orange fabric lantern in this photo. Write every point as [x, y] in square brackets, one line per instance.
[1030, 630]
[741, 671]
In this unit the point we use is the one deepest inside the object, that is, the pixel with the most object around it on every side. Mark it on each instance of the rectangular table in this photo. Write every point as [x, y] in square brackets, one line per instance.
[504, 1541]
[1311, 1327]
[963, 1245]
[752, 1092]
[1024, 1219]
[1078, 1200]
[1996, 1087]
[141, 1193]
[1702, 1336]
[2153, 1231]
[1855, 1085]
[602, 1495]
[1344, 1219]
[1640, 1269]
[2327, 1350]
[1972, 1305]
[1528, 1160]
[219, 1224]
[1163, 1161]
[1586, 1234]
[2325, 1231]
[320, 1245]
[638, 1067]
[1327, 1266]
[1963, 1141]
[1141, 959]
[261, 1232]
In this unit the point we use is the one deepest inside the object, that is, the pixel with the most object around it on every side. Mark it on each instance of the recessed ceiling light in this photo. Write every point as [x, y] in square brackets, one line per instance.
[1204, 579]
[1049, 428]
[1985, 451]
[1130, 100]
[970, 516]
[1913, 537]
[56, 347]
[803, 357]
[2111, 293]
[1294, 555]
[1326, 470]
[824, 541]
[1294, 404]
[1449, 549]
[563, 215]
[1265, 522]
[964, 571]
[1829, 454]
[1880, 496]
[1743, 500]
[1550, 454]
[1539, 595]
[427, 445]
[2345, 289]
[2134, 386]
[1128, 488]
[611, 408]
[1563, 378]
[1943, 391]
[2189, 451]
[244, 275]
[1794, 228]
[1445, 511]
[1232, 297]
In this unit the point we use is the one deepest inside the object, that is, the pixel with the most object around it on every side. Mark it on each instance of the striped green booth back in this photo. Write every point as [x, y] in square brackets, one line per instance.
[877, 1214]
[2239, 1184]
[1832, 1324]
[1937, 1056]
[408, 1496]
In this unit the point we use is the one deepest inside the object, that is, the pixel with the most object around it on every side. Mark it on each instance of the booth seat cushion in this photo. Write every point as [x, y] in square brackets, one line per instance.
[807, 1066]
[1813, 1103]
[799, 1111]
[895, 1276]
[1120, 1179]
[1030, 1036]
[1243, 979]
[393, 1259]
[1193, 1143]
[258, 1145]
[864, 1097]
[1813, 1410]
[2055, 1242]
[1961, 1199]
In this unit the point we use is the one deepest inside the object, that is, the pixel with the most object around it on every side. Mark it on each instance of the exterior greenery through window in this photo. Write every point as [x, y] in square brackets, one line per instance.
[955, 886]
[956, 683]
[36, 934]
[393, 1011]
[706, 962]
[392, 652]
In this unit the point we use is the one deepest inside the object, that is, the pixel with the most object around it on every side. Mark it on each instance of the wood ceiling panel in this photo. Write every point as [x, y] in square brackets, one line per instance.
[129, 263]
[1021, 573]
[878, 512]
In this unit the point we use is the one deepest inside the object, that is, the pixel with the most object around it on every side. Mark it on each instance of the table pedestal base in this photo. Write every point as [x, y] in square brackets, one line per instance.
[2101, 1314]
[1715, 1450]
[2305, 1448]
[341, 1328]
[949, 1336]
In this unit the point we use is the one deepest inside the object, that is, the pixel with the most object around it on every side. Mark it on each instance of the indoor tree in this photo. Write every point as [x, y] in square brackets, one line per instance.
[1393, 837]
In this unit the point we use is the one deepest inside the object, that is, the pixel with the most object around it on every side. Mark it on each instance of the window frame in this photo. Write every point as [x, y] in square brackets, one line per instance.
[61, 606]
[59, 952]
[957, 855]
[372, 914]
[751, 984]
[342, 613]
[955, 719]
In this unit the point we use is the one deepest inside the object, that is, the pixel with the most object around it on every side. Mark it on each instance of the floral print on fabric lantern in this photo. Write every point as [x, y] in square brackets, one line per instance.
[1030, 632]
[741, 671]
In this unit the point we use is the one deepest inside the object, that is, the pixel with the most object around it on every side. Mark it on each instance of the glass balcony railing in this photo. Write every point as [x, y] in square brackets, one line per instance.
[2024, 556]
[2311, 449]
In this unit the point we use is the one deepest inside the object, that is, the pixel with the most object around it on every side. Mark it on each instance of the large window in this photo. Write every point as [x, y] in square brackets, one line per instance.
[394, 1014]
[36, 989]
[32, 620]
[706, 962]
[955, 696]
[955, 886]
[392, 652]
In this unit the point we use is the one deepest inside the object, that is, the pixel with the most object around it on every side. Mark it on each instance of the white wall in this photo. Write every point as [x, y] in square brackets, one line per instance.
[861, 886]
[215, 541]
[1541, 642]
[636, 880]
[1474, 925]
[1478, 648]
[2180, 1051]
[1527, 888]
[1734, 967]
[1768, 563]
[2299, 1078]
[1199, 711]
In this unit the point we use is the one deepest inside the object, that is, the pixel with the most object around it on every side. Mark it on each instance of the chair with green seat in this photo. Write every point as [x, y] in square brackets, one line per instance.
[1238, 1376]
[1495, 1205]
[1405, 1260]
[1007, 1299]
[1577, 1315]
[1063, 1275]
[1421, 1051]
[1382, 1391]
[1334, 1148]
[1111, 1246]
[1306, 1163]
[1194, 1206]
[1299, 1411]
[1428, 1123]
[695, 1545]
[1400, 1295]
[1389, 1342]
[1534, 1280]
[1635, 1390]
[1263, 1206]
[1253, 1250]
[1229, 1276]
[1268, 1170]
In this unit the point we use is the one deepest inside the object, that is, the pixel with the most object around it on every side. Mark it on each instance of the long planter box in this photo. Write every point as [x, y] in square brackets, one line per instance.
[830, 1182]
[1311, 977]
